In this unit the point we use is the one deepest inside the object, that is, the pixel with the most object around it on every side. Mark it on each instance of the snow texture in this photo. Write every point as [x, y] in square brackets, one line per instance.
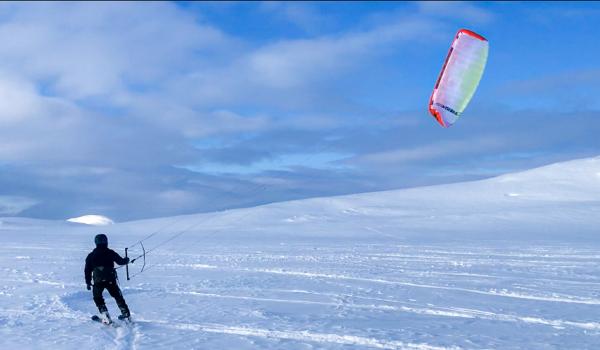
[506, 263]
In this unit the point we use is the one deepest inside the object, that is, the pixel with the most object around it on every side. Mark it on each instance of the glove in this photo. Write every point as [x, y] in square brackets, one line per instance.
[126, 260]
[89, 287]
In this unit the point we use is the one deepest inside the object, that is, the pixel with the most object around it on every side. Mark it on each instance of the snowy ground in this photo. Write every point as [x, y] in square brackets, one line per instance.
[507, 263]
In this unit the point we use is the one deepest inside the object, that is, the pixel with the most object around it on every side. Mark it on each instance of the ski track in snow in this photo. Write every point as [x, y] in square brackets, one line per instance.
[124, 336]
[499, 293]
[436, 311]
[302, 336]
[569, 299]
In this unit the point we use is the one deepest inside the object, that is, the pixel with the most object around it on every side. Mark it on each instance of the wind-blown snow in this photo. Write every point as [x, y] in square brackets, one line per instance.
[94, 220]
[507, 263]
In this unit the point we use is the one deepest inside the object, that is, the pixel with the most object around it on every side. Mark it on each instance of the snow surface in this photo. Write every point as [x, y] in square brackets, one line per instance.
[94, 220]
[506, 263]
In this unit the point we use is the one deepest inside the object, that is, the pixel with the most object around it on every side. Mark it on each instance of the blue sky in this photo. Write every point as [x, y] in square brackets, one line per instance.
[137, 110]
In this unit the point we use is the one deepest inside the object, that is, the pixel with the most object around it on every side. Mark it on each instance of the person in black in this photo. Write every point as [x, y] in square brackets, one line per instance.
[99, 265]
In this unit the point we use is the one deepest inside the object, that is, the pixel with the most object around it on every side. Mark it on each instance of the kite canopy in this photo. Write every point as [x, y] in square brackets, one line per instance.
[459, 77]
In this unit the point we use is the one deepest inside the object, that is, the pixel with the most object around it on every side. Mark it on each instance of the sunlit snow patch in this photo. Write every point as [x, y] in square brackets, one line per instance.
[96, 220]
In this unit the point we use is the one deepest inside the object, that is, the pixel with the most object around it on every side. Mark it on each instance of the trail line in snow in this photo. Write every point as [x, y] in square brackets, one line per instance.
[431, 311]
[424, 274]
[305, 336]
[501, 293]
[123, 336]
[127, 336]
[568, 299]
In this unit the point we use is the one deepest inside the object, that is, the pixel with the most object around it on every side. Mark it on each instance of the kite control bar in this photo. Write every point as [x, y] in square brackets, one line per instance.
[143, 255]
[126, 266]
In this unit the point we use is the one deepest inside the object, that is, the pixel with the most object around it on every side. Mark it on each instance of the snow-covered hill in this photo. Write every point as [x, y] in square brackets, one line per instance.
[505, 263]
[559, 201]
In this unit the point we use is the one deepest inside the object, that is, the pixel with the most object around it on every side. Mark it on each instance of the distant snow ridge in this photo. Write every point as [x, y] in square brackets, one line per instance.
[95, 220]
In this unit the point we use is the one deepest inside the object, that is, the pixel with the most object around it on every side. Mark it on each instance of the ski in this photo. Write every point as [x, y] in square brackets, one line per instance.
[99, 320]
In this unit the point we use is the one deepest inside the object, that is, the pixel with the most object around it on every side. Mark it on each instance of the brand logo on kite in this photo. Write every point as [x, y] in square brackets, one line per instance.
[447, 108]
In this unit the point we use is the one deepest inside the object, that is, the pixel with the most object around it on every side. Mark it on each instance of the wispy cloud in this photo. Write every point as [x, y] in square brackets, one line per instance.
[464, 10]
[553, 81]
[304, 15]
[80, 50]
[437, 150]
[295, 72]
[13, 205]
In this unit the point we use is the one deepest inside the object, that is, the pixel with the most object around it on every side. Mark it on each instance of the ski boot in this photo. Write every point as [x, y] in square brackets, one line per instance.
[104, 315]
[125, 315]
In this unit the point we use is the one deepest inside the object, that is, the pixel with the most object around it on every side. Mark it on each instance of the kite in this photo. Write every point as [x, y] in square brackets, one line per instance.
[459, 77]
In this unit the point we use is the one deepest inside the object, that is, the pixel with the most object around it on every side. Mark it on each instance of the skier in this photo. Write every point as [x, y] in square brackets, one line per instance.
[100, 264]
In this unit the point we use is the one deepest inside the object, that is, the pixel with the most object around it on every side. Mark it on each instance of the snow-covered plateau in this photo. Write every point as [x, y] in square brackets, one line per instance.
[511, 262]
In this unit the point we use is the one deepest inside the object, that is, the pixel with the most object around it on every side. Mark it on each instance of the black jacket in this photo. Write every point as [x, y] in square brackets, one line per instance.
[101, 262]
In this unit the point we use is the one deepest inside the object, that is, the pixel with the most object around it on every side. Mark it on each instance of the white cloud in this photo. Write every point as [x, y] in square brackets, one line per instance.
[582, 78]
[464, 10]
[295, 73]
[73, 66]
[301, 14]
[295, 62]
[443, 149]
[88, 49]
[14, 205]
[19, 100]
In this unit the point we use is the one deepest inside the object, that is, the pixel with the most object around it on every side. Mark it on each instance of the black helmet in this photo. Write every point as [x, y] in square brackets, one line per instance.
[101, 239]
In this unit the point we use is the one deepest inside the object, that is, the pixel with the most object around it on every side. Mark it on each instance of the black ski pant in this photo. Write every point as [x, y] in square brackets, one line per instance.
[114, 291]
